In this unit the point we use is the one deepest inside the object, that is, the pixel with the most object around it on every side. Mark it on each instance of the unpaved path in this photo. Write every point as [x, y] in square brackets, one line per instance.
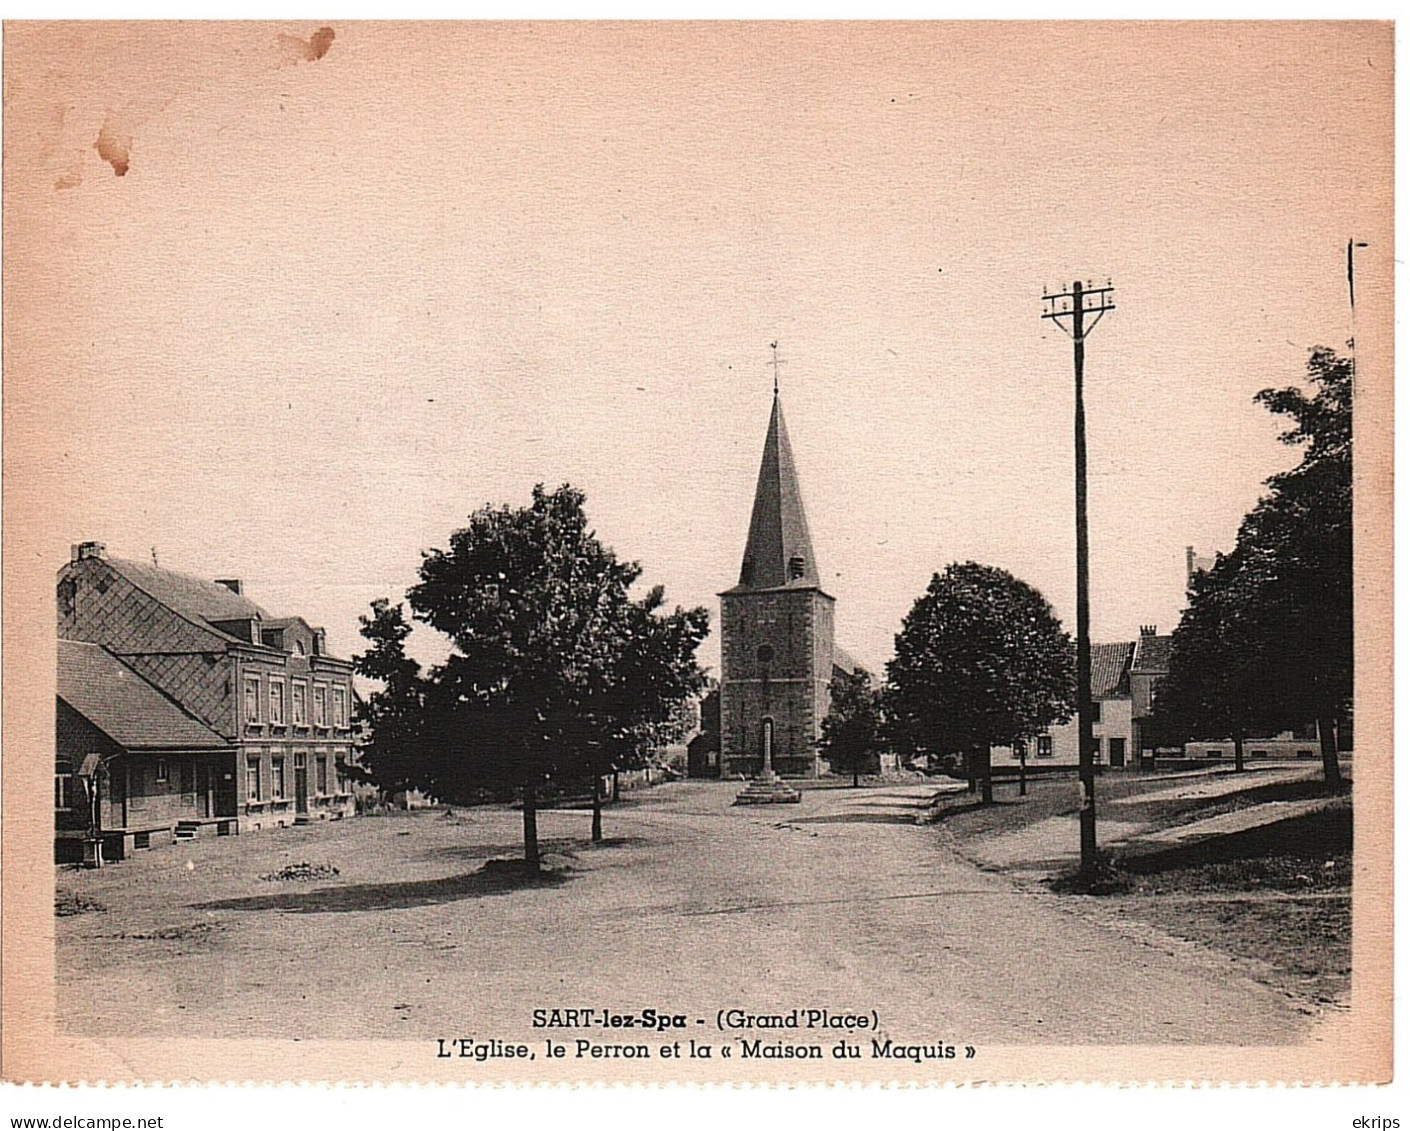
[842, 902]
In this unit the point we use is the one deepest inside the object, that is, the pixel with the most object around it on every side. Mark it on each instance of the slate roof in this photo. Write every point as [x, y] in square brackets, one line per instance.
[124, 706]
[1110, 670]
[778, 527]
[1152, 655]
[193, 597]
[843, 659]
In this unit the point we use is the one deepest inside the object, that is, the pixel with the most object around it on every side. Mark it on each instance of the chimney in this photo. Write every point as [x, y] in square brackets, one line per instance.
[231, 583]
[1147, 630]
[81, 550]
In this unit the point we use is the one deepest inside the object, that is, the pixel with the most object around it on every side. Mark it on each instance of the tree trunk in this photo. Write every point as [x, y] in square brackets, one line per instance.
[531, 826]
[1239, 752]
[986, 776]
[1327, 732]
[616, 785]
[970, 771]
[856, 777]
[596, 806]
[1023, 775]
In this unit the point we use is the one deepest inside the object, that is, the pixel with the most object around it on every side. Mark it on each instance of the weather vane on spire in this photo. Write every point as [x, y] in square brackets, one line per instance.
[776, 362]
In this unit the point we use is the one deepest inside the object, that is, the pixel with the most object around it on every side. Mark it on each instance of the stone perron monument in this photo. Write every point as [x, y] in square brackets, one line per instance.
[777, 650]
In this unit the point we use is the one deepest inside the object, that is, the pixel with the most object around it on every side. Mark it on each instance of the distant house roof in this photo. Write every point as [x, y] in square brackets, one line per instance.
[124, 706]
[1110, 668]
[192, 597]
[1152, 655]
[841, 658]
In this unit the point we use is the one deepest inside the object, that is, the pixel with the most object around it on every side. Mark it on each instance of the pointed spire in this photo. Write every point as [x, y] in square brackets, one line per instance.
[780, 550]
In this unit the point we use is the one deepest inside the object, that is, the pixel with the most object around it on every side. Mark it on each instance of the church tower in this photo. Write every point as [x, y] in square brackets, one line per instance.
[776, 630]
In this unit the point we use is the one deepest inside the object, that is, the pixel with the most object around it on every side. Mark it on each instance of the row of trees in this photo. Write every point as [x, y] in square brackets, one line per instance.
[1265, 643]
[557, 674]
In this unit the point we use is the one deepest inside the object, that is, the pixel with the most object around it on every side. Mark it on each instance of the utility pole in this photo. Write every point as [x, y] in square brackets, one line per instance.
[1073, 312]
[1351, 246]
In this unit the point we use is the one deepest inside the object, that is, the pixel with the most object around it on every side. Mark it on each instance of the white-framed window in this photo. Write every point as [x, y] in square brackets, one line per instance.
[63, 788]
[251, 699]
[298, 692]
[340, 706]
[320, 705]
[276, 779]
[1045, 746]
[252, 779]
[322, 774]
[163, 771]
[276, 702]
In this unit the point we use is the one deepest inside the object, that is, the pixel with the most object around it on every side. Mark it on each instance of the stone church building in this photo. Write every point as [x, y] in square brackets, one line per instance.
[776, 625]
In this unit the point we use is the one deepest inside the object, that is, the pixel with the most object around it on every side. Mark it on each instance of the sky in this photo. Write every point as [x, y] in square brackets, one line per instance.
[351, 286]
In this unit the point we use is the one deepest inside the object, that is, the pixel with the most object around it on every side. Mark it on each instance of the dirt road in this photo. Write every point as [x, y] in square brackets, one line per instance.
[841, 903]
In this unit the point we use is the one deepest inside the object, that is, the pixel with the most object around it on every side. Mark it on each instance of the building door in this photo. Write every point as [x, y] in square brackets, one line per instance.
[117, 793]
[301, 782]
[203, 788]
[1116, 750]
[227, 802]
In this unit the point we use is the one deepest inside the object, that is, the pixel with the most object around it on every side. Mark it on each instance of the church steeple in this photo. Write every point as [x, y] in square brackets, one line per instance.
[779, 552]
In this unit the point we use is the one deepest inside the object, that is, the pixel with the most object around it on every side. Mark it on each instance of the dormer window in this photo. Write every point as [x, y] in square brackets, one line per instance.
[795, 568]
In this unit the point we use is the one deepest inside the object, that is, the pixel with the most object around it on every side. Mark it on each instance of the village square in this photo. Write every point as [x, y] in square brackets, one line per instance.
[222, 785]
[768, 536]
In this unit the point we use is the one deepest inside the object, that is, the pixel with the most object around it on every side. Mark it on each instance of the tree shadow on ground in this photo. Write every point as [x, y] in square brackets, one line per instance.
[497, 877]
[934, 814]
[1314, 837]
[893, 817]
[485, 852]
[613, 842]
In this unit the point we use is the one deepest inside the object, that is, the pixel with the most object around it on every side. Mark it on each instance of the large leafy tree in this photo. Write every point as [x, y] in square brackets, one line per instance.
[980, 661]
[556, 674]
[393, 714]
[1267, 637]
[1213, 689]
[851, 730]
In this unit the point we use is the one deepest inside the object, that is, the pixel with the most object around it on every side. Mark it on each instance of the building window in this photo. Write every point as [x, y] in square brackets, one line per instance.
[63, 788]
[795, 568]
[1096, 710]
[276, 779]
[342, 770]
[163, 771]
[1045, 746]
[252, 779]
[322, 774]
[276, 702]
[299, 694]
[188, 776]
[766, 655]
[68, 593]
[340, 706]
[320, 705]
[251, 700]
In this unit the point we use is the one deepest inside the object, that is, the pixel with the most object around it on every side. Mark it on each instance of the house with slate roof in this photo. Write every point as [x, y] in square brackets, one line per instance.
[1113, 725]
[185, 709]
